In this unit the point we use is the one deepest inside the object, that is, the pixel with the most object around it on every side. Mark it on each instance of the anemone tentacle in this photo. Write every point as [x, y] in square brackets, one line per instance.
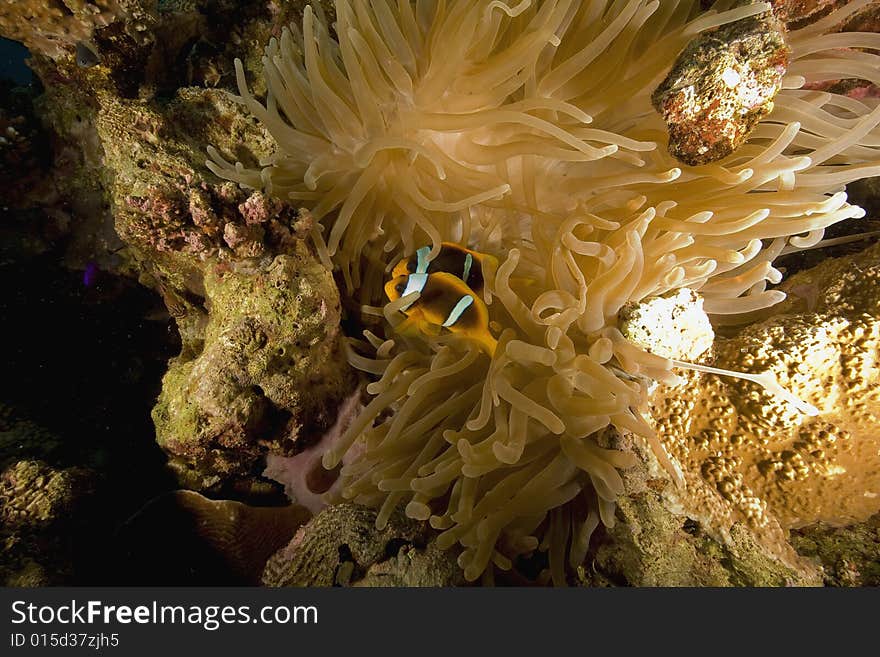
[526, 130]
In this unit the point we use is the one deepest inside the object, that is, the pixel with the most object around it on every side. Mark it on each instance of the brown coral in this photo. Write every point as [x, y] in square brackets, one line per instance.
[37, 501]
[751, 457]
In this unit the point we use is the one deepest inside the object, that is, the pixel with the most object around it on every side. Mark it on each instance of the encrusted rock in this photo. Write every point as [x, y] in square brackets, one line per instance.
[268, 377]
[167, 205]
[721, 85]
[663, 537]
[129, 176]
[850, 556]
[342, 547]
[802, 12]
[654, 547]
[799, 13]
[54, 27]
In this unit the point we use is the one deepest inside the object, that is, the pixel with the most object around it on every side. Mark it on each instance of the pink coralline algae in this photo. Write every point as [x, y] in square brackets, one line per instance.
[207, 221]
[259, 208]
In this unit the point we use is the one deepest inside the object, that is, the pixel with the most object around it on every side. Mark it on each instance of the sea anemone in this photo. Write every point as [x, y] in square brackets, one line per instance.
[525, 130]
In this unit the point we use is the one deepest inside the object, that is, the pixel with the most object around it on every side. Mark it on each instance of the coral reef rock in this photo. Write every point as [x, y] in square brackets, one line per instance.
[133, 90]
[662, 537]
[53, 27]
[850, 556]
[267, 377]
[797, 13]
[342, 547]
[654, 547]
[720, 86]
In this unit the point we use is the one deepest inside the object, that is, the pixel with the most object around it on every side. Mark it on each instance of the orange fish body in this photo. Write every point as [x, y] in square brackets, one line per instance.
[445, 300]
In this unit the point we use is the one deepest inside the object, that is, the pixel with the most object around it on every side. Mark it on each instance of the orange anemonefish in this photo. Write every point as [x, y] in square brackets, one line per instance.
[445, 297]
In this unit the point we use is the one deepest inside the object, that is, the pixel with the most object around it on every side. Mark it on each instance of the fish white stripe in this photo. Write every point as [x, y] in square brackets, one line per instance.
[422, 264]
[468, 261]
[462, 305]
[414, 283]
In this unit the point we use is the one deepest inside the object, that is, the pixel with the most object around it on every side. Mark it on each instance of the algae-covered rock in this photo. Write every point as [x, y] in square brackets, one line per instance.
[342, 547]
[652, 546]
[128, 132]
[415, 566]
[850, 556]
[268, 377]
[131, 140]
[128, 182]
[167, 206]
[662, 536]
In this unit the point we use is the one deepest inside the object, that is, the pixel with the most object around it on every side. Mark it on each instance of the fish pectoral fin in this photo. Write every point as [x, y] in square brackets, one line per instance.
[409, 327]
[415, 326]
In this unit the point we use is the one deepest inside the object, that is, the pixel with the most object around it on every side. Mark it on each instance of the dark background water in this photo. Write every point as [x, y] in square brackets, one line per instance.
[12, 66]
[82, 357]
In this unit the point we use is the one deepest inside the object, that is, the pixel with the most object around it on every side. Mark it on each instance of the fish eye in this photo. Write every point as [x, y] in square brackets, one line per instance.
[410, 266]
[400, 287]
